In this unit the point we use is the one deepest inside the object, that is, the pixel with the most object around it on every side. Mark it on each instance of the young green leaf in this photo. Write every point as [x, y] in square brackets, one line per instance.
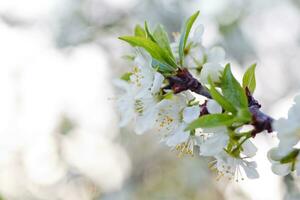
[154, 49]
[162, 67]
[210, 121]
[139, 31]
[232, 90]
[126, 76]
[249, 78]
[185, 34]
[148, 33]
[243, 115]
[220, 98]
[162, 39]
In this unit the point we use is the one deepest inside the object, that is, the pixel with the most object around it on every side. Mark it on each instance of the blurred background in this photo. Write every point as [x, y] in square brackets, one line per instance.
[59, 129]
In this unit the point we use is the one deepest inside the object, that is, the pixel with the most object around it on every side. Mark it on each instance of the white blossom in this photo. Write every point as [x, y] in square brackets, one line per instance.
[288, 130]
[181, 139]
[173, 118]
[281, 168]
[231, 167]
[139, 101]
[194, 52]
[285, 158]
[216, 140]
[212, 67]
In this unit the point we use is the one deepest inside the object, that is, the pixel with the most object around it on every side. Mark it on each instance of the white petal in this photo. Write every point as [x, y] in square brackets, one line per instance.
[275, 154]
[216, 55]
[189, 96]
[145, 122]
[197, 36]
[285, 127]
[127, 113]
[212, 70]
[250, 171]
[143, 58]
[249, 149]
[157, 83]
[213, 107]
[252, 164]
[286, 145]
[178, 137]
[125, 107]
[214, 145]
[191, 113]
[281, 169]
[123, 85]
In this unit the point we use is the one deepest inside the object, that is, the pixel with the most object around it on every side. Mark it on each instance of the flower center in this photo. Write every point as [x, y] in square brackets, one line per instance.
[137, 77]
[165, 121]
[139, 106]
[186, 148]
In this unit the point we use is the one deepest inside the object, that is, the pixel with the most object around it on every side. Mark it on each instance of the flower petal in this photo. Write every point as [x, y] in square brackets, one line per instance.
[216, 55]
[213, 107]
[178, 137]
[250, 170]
[212, 70]
[143, 58]
[281, 169]
[197, 35]
[191, 113]
[249, 149]
[145, 122]
[157, 82]
[214, 145]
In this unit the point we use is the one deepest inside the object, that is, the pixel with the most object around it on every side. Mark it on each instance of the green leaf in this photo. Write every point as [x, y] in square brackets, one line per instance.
[139, 31]
[162, 67]
[162, 39]
[185, 34]
[249, 78]
[243, 115]
[156, 51]
[126, 76]
[210, 121]
[148, 33]
[220, 98]
[232, 90]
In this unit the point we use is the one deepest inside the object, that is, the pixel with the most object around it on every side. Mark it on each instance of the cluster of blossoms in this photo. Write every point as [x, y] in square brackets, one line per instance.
[286, 158]
[183, 92]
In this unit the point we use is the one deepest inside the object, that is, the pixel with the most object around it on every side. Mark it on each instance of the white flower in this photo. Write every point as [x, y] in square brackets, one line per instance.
[194, 52]
[198, 57]
[281, 167]
[230, 167]
[169, 116]
[182, 140]
[173, 118]
[144, 77]
[285, 158]
[212, 67]
[139, 101]
[288, 130]
[216, 140]
[125, 103]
